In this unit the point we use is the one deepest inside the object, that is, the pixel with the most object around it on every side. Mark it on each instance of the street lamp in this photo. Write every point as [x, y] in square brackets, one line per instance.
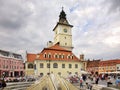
[48, 65]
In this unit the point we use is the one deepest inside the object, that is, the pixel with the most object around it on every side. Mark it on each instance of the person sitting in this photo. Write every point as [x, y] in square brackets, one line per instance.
[109, 82]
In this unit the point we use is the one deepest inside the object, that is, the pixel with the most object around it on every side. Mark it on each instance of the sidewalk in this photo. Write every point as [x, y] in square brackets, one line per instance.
[102, 87]
[95, 87]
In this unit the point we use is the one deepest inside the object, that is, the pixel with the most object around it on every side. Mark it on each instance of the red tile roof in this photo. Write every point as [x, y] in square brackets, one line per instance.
[109, 62]
[54, 50]
[96, 63]
[31, 57]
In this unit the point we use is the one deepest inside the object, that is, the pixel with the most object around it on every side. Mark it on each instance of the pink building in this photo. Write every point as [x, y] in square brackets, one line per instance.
[11, 64]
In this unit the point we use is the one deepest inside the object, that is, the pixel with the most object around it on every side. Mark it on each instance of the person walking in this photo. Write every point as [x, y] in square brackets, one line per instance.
[81, 82]
[109, 82]
[96, 79]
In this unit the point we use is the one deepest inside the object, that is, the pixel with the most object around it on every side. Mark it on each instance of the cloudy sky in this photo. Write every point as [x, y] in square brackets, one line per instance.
[28, 25]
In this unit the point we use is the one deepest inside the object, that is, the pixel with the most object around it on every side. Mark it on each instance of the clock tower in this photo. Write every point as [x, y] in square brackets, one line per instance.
[63, 32]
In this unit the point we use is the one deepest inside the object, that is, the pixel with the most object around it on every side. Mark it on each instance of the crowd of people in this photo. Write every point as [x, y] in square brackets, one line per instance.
[83, 80]
[94, 79]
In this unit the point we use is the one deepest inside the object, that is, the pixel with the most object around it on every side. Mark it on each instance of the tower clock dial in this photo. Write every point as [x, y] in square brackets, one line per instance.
[65, 30]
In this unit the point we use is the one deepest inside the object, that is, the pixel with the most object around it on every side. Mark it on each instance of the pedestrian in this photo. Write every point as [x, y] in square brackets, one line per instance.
[84, 77]
[88, 86]
[102, 78]
[109, 82]
[81, 83]
[96, 79]
[3, 84]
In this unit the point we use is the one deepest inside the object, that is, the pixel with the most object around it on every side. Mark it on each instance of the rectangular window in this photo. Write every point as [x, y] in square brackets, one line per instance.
[63, 65]
[41, 65]
[3, 66]
[76, 65]
[70, 65]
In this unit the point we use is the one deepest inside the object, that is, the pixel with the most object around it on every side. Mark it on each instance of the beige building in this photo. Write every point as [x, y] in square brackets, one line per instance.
[57, 57]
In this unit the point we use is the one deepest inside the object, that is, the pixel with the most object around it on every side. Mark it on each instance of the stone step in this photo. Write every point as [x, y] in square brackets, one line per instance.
[17, 86]
[23, 88]
[18, 83]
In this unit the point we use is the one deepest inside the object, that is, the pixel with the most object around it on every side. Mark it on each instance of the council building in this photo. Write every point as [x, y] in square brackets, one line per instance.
[57, 57]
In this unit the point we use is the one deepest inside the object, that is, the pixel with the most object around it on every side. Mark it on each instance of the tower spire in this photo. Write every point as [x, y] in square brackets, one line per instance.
[62, 17]
[62, 8]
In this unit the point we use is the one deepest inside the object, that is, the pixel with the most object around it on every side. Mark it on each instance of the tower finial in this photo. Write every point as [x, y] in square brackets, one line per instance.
[62, 7]
[62, 14]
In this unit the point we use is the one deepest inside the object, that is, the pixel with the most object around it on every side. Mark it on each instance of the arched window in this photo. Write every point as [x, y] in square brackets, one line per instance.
[49, 55]
[30, 65]
[63, 56]
[68, 57]
[72, 56]
[55, 65]
[59, 56]
[45, 55]
[55, 56]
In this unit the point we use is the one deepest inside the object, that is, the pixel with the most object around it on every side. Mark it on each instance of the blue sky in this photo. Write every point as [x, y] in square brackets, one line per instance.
[96, 31]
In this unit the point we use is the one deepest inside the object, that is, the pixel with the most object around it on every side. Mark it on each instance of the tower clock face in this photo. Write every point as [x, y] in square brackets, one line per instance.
[65, 30]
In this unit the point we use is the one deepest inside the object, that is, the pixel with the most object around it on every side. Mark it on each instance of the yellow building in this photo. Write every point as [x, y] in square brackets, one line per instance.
[57, 57]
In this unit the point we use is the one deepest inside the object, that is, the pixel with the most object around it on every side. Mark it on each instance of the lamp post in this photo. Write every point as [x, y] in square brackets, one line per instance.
[48, 66]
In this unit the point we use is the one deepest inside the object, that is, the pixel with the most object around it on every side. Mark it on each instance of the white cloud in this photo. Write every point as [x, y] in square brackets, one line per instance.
[28, 24]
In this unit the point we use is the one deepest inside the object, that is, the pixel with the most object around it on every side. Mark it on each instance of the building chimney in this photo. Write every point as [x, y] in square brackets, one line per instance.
[82, 57]
[49, 43]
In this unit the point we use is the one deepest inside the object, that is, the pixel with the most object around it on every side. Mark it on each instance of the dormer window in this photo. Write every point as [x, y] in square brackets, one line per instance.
[45, 55]
[63, 56]
[49, 55]
[59, 56]
[68, 57]
[55, 56]
[72, 56]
